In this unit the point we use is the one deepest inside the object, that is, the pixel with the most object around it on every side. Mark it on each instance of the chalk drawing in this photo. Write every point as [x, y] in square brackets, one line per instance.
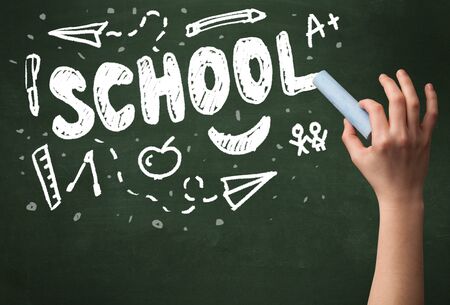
[77, 216]
[157, 224]
[87, 160]
[290, 83]
[243, 16]
[87, 34]
[113, 153]
[151, 197]
[333, 21]
[132, 192]
[62, 83]
[201, 185]
[297, 133]
[108, 75]
[165, 209]
[152, 88]
[90, 33]
[208, 101]
[32, 67]
[44, 169]
[32, 206]
[119, 176]
[311, 31]
[147, 155]
[316, 141]
[188, 210]
[245, 50]
[243, 143]
[251, 183]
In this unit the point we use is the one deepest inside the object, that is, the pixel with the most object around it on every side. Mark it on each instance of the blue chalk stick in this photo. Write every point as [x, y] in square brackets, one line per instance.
[343, 101]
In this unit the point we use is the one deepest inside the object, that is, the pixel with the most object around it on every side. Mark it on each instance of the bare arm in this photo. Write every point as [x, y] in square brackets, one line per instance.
[396, 165]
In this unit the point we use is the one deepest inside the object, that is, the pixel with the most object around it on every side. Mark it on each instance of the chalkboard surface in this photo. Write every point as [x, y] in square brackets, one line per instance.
[101, 208]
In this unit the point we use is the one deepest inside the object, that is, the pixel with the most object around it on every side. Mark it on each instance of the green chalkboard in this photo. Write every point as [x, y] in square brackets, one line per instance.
[169, 230]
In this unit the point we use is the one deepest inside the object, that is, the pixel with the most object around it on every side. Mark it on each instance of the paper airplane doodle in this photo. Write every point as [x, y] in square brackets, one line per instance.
[90, 33]
[88, 159]
[251, 184]
[44, 169]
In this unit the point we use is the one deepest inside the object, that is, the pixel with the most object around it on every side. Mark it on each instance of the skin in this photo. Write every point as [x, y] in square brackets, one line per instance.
[395, 165]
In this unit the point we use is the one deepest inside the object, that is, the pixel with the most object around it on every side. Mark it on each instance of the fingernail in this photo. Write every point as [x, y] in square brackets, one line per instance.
[382, 75]
[430, 86]
[401, 71]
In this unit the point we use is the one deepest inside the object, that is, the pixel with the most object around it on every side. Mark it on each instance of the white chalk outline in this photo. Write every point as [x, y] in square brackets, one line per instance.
[201, 185]
[319, 28]
[119, 176]
[241, 16]
[209, 199]
[88, 159]
[257, 181]
[113, 153]
[70, 33]
[34, 61]
[243, 143]
[291, 84]
[189, 198]
[132, 192]
[48, 182]
[151, 197]
[188, 210]
[163, 149]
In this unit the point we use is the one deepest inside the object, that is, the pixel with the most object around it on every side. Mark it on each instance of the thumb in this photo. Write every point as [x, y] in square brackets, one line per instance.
[351, 140]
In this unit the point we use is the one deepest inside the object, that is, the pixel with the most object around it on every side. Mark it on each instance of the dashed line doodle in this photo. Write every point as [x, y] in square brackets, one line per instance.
[200, 183]
[90, 33]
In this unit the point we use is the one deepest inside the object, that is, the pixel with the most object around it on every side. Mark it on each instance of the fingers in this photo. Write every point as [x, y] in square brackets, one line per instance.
[397, 109]
[378, 120]
[429, 120]
[351, 140]
[411, 98]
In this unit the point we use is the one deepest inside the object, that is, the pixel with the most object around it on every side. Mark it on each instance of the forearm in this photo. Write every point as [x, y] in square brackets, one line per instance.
[398, 277]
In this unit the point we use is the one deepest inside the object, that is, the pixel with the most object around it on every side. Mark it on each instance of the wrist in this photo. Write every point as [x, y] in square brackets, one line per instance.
[401, 204]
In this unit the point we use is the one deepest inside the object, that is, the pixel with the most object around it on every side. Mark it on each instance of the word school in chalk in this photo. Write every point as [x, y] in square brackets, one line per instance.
[64, 80]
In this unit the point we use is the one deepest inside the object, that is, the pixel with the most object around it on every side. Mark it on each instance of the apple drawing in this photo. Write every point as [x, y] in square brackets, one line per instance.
[151, 153]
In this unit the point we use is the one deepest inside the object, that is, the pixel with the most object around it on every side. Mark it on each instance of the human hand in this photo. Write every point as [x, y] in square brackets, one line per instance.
[396, 163]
